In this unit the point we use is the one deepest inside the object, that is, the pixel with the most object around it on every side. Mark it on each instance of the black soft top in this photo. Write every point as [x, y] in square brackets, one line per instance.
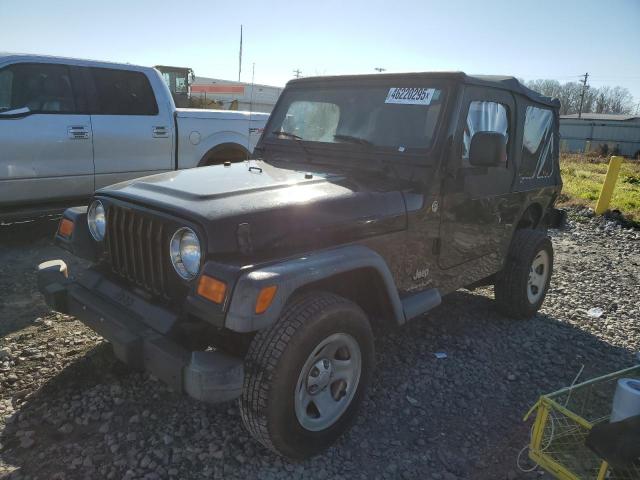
[496, 81]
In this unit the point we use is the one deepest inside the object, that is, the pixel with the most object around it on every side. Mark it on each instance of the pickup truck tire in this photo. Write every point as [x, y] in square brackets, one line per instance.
[226, 152]
[522, 286]
[321, 349]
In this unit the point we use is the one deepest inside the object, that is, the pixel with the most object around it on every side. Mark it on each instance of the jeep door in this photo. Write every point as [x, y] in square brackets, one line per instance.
[133, 129]
[45, 134]
[476, 199]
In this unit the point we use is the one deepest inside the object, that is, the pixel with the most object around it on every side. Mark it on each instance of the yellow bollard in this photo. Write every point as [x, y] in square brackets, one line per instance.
[609, 184]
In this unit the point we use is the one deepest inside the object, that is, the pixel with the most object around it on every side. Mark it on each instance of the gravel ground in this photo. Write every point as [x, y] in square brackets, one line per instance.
[69, 410]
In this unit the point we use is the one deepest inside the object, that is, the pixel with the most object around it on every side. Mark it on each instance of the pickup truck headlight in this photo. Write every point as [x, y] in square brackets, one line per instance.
[96, 220]
[185, 253]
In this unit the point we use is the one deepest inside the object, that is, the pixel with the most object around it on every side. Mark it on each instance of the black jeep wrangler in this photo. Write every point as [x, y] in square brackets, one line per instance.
[369, 198]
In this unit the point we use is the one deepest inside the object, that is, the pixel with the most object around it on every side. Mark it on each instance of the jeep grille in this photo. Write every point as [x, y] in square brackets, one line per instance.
[135, 245]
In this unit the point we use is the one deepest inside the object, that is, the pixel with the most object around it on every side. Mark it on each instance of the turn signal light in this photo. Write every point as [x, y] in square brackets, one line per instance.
[212, 289]
[265, 297]
[65, 229]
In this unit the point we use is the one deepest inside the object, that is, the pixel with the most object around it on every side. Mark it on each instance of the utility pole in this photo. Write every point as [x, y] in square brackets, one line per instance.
[297, 73]
[584, 89]
[240, 56]
[380, 69]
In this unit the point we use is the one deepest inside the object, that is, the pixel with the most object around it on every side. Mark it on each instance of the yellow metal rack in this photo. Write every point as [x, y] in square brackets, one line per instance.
[563, 421]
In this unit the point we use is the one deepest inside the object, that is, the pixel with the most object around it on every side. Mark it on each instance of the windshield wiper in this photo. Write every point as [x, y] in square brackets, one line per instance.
[299, 141]
[353, 139]
[287, 134]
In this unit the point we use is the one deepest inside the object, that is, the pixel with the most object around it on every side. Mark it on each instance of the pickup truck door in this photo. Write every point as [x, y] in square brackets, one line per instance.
[133, 129]
[45, 135]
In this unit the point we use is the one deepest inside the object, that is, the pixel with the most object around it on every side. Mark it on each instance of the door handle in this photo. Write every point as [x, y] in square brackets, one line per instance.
[160, 132]
[78, 132]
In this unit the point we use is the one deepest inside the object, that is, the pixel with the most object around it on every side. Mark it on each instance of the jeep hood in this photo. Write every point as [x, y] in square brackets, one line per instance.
[285, 208]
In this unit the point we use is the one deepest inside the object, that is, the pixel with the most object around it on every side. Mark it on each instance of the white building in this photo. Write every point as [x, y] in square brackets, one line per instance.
[618, 132]
[258, 98]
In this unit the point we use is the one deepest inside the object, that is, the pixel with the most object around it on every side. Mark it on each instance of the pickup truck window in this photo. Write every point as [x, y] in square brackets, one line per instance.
[43, 88]
[401, 118]
[6, 80]
[121, 92]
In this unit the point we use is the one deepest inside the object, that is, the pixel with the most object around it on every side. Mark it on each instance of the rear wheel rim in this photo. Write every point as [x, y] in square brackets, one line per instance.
[328, 382]
[538, 276]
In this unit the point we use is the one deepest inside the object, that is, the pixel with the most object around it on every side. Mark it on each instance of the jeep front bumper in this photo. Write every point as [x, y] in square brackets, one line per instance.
[138, 331]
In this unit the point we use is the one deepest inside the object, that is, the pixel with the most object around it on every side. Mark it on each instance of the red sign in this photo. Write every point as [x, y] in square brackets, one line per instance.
[224, 89]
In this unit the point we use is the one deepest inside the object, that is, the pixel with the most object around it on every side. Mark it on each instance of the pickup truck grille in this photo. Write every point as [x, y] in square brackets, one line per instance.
[135, 244]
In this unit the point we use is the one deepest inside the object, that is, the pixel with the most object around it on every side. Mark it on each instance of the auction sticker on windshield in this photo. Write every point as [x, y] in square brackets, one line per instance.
[410, 95]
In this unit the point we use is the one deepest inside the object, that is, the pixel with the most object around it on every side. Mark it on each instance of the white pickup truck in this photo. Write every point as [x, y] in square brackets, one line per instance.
[69, 127]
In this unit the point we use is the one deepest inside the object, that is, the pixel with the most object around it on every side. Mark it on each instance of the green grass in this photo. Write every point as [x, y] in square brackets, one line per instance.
[583, 178]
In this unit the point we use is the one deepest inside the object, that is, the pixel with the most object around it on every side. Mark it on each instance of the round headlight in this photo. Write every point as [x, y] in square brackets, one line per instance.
[185, 253]
[96, 220]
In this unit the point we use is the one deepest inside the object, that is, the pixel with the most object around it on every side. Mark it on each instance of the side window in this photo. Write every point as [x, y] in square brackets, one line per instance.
[121, 92]
[537, 143]
[6, 83]
[44, 88]
[484, 117]
[182, 84]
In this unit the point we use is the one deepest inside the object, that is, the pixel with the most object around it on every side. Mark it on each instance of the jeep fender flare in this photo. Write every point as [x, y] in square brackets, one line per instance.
[292, 274]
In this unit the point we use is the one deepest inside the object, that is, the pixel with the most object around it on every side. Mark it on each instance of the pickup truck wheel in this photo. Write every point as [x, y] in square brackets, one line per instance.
[522, 286]
[307, 374]
[228, 152]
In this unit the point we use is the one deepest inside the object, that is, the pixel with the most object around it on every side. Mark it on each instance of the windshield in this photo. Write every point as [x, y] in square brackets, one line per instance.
[400, 118]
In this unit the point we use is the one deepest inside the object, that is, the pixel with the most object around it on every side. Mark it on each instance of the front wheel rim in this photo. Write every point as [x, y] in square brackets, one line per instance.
[538, 276]
[328, 382]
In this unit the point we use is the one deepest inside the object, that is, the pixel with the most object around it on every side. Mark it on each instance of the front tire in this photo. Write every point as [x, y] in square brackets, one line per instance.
[307, 374]
[522, 286]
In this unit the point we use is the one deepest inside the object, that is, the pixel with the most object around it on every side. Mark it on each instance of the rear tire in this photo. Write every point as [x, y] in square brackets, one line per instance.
[320, 350]
[522, 285]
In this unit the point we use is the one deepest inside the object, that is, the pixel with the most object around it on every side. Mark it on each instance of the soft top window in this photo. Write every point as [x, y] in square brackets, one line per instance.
[484, 117]
[401, 118]
[537, 143]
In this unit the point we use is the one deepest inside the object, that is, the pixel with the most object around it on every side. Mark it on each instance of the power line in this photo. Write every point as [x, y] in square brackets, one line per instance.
[615, 77]
[546, 76]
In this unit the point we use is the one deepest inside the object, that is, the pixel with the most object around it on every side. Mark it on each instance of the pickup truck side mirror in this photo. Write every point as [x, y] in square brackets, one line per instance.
[15, 113]
[488, 149]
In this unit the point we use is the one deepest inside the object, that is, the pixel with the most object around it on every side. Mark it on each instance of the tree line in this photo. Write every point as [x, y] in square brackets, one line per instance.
[596, 99]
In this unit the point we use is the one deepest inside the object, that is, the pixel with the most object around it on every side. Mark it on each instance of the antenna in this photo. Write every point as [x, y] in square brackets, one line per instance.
[253, 76]
[297, 73]
[240, 55]
[380, 69]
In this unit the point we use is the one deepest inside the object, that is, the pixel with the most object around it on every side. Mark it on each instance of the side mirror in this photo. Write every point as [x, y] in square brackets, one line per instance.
[488, 149]
[16, 113]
